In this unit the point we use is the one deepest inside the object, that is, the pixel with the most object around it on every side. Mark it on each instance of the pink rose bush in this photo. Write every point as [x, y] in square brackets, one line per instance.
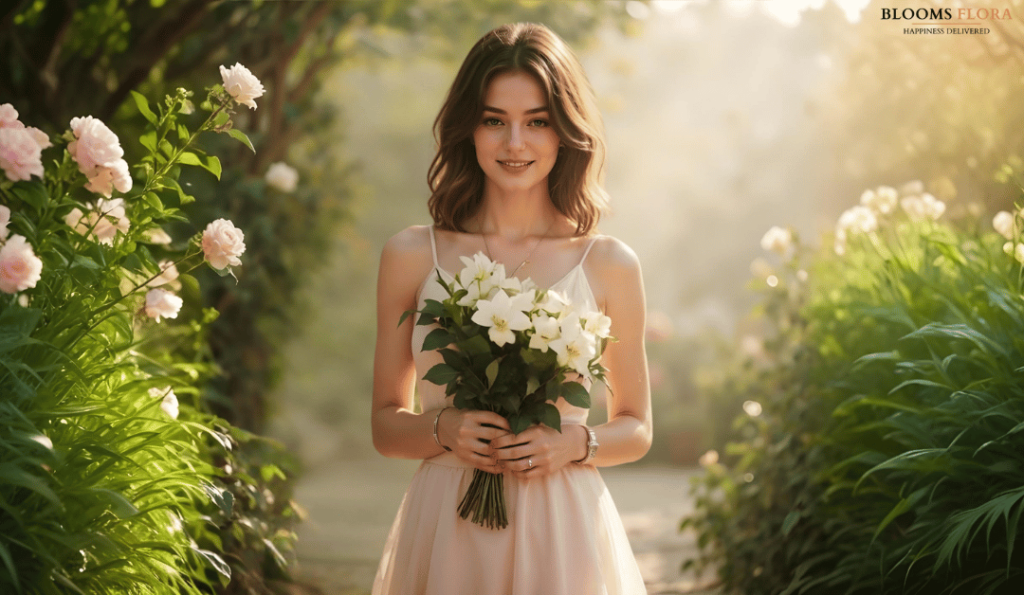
[98, 153]
[102, 222]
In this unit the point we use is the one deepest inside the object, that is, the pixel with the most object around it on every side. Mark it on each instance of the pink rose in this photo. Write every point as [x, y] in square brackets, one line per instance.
[109, 177]
[8, 116]
[105, 219]
[223, 243]
[20, 154]
[20, 268]
[241, 84]
[95, 145]
[168, 275]
[162, 303]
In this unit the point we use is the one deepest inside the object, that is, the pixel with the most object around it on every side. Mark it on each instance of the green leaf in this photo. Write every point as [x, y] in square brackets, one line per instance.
[143, 105]
[532, 384]
[242, 138]
[475, 345]
[492, 372]
[405, 315]
[437, 339]
[576, 394]
[148, 140]
[433, 308]
[518, 423]
[33, 193]
[217, 563]
[441, 374]
[790, 521]
[119, 505]
[5, 554]
[551, 417]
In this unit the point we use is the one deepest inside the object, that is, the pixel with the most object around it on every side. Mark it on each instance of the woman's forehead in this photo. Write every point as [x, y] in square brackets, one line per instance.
[514, 91]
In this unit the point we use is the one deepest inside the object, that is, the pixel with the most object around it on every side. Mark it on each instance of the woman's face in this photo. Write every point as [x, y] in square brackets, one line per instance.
[515, 143]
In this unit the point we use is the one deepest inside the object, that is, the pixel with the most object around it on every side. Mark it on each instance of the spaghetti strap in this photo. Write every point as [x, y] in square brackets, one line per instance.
[433, 247]
[587, 251]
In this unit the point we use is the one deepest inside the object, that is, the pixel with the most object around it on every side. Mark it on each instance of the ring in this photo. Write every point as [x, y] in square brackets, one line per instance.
[530, 461]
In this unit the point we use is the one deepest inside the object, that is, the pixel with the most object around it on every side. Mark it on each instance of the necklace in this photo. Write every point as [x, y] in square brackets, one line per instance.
[532, 250]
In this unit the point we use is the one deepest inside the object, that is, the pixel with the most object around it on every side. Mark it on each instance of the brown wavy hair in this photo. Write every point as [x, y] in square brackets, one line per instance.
[575, 182]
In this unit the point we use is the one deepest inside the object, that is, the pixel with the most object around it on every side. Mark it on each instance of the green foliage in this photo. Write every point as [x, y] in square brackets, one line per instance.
[888, 454]
[104, 487]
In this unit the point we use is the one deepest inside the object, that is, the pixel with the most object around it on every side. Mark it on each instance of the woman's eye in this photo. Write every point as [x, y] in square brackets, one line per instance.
[540, 123]
[492, 122]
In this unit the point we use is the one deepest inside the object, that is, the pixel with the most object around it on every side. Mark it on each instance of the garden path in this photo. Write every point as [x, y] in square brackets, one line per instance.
[351, 505]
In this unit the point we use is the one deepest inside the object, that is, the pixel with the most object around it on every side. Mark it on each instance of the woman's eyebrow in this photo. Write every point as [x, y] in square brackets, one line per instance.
[535, 110]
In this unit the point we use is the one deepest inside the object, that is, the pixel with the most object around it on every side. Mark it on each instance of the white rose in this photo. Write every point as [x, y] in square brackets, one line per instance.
[161, 303]
[94, 146]
[241, 84]
[105, 218]
[222, 244]
[1002, 222]
[282, 176]
[5, 218]
[20, 268]
[777, 240]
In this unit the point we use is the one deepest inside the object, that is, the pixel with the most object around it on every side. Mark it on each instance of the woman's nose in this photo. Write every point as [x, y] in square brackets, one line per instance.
[515, 137]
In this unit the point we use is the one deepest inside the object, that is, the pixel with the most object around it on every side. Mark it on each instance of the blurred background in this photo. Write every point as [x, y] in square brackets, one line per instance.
[723, 119]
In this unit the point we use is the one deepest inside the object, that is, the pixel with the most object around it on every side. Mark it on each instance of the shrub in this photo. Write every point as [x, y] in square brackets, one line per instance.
[888, 454]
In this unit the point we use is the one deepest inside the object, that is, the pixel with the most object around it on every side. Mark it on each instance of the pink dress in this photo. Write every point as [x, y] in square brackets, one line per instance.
[564, 534]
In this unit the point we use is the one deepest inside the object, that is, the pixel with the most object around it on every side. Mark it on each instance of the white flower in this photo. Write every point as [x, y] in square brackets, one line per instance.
[597, 324]
[169, 274]
[546, 330]
[20, 268]
[502, 315]
[170, 405]
[105, 219]
[1002, 222]
[1018, 253]
[241, 84]
[777, 240]
[840, 242]
[858, 219]
[922, 207]
[554, 303]
[161, 303]
[23, 300]
[882, 201]
[156, 235]
[222, 244]
[46, 442]
[479, 277]
[20, 154]
[709, 458]
[752, 408]
[575, 347]
[282, 176]
[5, 218]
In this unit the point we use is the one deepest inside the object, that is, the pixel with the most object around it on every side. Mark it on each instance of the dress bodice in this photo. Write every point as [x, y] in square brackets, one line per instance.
[574, 285]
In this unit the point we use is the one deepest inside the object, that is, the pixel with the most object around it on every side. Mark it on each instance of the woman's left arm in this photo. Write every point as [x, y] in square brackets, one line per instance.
[617, 281]
[626, 437]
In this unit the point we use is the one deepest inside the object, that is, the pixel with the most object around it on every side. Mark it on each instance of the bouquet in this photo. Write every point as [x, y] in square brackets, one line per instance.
[513, 349]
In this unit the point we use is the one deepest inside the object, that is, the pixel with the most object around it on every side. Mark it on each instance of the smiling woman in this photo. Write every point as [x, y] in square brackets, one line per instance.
[517, 179]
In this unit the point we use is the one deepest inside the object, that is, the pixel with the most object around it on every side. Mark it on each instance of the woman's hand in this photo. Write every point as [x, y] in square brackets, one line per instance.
[540, 450]
[468, 432]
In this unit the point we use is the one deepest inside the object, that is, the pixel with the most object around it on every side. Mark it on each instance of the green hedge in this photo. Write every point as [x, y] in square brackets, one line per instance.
[887, 453]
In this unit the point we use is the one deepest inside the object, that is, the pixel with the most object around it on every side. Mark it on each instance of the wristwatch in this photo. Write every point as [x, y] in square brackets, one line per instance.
[591, 446]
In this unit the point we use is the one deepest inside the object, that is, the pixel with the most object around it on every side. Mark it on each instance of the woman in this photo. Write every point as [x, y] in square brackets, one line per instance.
[516, 176]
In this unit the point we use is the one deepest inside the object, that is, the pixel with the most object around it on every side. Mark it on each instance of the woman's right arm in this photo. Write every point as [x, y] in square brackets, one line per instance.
[398, 431]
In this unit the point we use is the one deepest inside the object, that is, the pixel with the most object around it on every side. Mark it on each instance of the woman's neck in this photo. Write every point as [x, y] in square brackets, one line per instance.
[514, 216]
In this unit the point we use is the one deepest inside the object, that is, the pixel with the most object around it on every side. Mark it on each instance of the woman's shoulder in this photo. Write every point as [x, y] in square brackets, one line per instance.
[409, 249]
[611, 255]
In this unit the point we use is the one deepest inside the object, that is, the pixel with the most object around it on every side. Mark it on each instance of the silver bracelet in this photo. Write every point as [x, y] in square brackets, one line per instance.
[437, 419]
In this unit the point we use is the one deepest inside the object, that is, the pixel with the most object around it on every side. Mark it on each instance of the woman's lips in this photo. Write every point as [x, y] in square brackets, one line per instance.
[515, 165]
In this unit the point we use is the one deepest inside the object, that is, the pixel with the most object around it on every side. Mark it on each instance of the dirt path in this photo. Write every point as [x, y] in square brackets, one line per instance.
[352, 504]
